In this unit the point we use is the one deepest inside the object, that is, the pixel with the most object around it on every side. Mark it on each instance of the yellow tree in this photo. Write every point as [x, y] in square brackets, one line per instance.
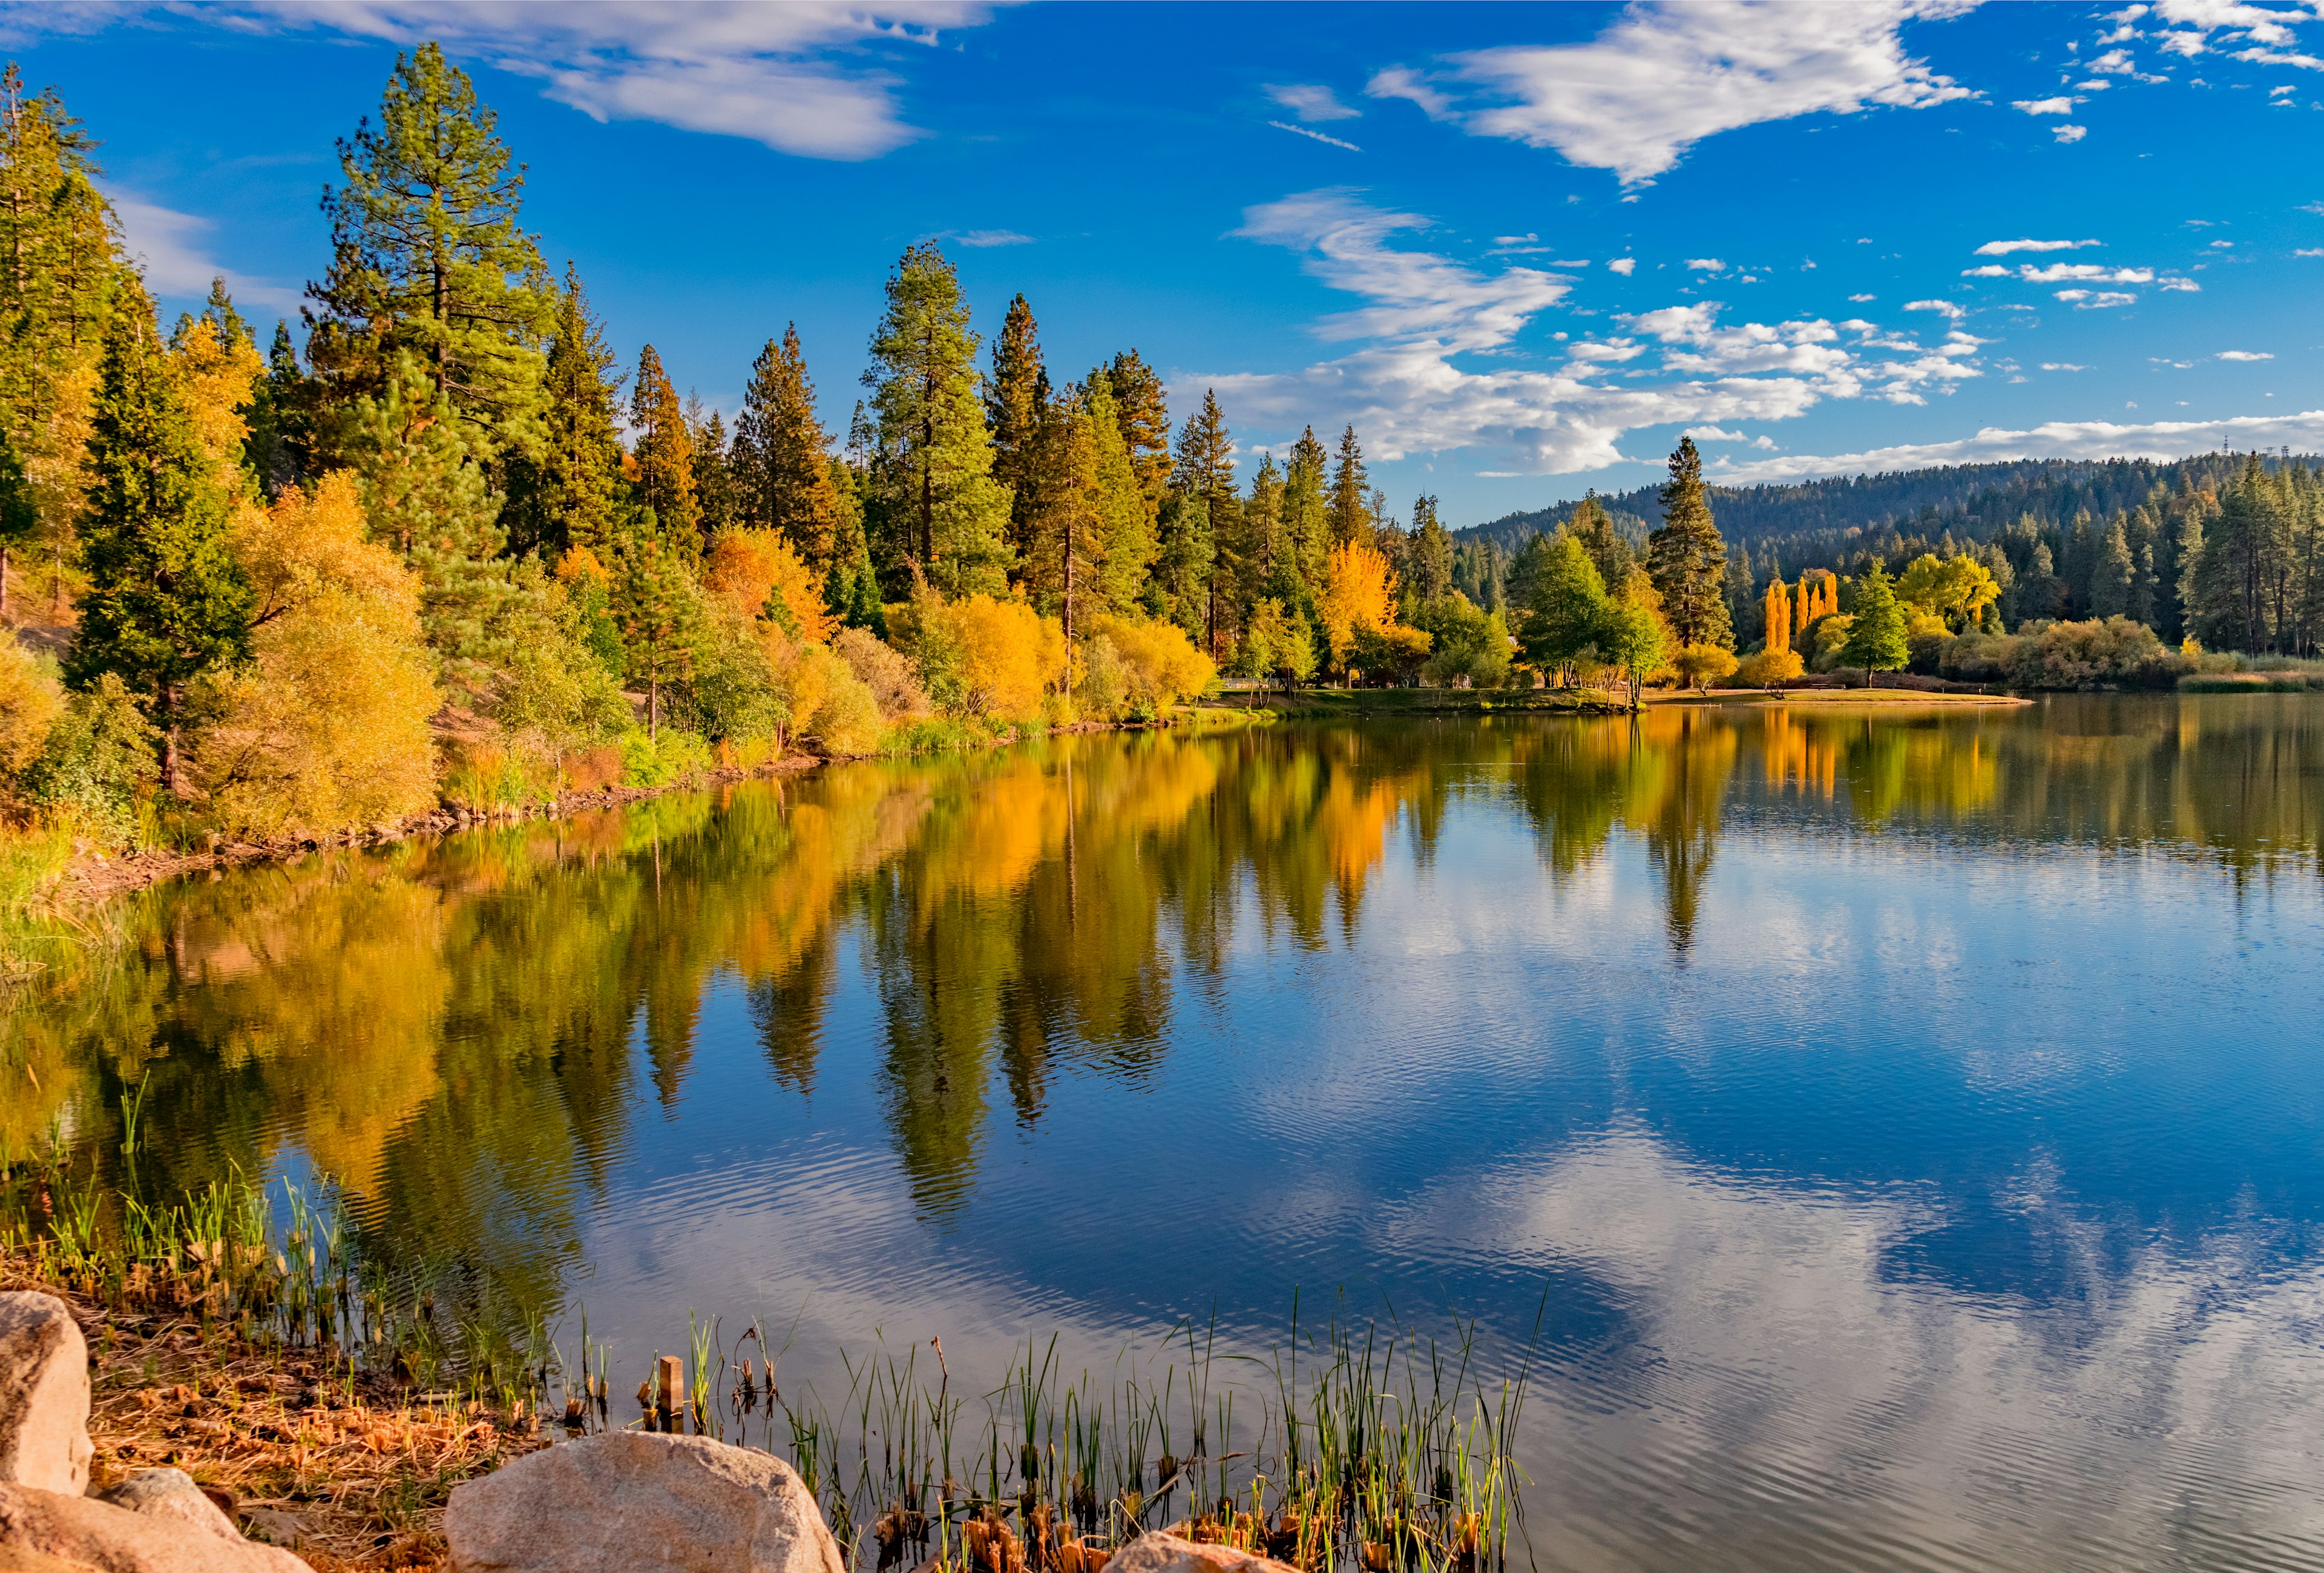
[1779, 616]
[1957, 589]
[1359, 596]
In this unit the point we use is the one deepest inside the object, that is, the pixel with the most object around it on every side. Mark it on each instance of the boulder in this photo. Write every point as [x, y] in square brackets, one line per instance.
[91, 1536]
[170, 1494]
[43, 1394]
[638, 1501]
[1157, 1551]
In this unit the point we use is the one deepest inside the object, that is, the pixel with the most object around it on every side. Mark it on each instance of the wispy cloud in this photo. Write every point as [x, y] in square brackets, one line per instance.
[1319, 136]
[2247, 355]
[808, 77]
[1310, 102]
[173, 248]
[989, 238]
[1408, 382]
[1664, 77]
[2045, 105]
[2004, 247]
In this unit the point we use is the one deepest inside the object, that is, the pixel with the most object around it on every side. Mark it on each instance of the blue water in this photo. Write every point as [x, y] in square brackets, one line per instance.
[1899, 1130]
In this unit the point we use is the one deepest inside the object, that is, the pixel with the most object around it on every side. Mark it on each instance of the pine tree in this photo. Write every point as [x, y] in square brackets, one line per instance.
[166, 600]
[282, 418]
[427, 496]
[1125, 526]
[1306, 520]
[1686, 558]
[659, 607]
[1875, 640]
[783, 456]
[580, 486]
[427, 258]
[1350, 520]
[713, 473]
[1594, 528]
[2112, 574]
[1144, 415]
[663, 452]
[938, 512]
[1264, 560]
[1428, 564]
[1206, 469]
[1016, 403]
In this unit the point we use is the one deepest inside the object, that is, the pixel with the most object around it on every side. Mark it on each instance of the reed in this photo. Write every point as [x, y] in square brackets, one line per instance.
[1367, 1445]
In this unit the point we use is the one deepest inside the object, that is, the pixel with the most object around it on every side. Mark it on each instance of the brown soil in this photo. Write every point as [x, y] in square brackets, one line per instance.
[349, 1476]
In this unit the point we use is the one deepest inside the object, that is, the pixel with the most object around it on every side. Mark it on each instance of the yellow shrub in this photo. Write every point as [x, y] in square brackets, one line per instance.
[30, 700]
[744, 567]
[1770, 667]
[1160, 663]
[327, 727]
[979, 656]
[1699, 665]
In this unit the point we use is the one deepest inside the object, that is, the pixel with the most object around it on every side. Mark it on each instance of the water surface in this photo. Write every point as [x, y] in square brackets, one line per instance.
[1905, 1126]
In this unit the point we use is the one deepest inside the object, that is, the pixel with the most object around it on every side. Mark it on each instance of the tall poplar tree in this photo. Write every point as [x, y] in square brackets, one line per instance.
[782, 455]
[580, 487]
[939, 513]
[166, 600]
[426, 256]
[1687, 560]
[663, 450]
[1016, 403]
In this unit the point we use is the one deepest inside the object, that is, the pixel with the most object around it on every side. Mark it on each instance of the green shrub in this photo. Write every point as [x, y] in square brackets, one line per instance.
[675, 755]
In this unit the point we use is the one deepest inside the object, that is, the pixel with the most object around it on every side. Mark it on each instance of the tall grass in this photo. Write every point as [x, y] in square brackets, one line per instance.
[1371, 1446]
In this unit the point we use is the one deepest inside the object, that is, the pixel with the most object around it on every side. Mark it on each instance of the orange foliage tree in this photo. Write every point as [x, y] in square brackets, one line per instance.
[1359, 596]
[1779, 616]
[757, 573]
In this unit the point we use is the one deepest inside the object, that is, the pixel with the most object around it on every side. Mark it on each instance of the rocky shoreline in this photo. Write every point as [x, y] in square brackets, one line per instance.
[100, 1476]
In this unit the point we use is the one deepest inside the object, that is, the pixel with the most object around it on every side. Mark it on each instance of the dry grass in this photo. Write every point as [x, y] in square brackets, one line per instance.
[350, 1471]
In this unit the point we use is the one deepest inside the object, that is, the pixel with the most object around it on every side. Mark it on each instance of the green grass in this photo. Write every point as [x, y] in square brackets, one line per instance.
[1314, 702]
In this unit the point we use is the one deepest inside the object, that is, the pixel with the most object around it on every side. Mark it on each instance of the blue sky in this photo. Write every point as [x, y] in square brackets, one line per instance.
[1522, 248]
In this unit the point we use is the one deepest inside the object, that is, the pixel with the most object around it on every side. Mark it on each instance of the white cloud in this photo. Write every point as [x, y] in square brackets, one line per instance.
[2114, 62]
[1407, 382]
[1859, 300]
[800, 77]
[990, 237]
[1319, 136]
[2063, 440]
[1706, 265]
[1664, 76]
[2085, 273]
[1990, 270]
[2086, 300]
[1624, 266]
[2004, 247]
[2062, 365]
[2310, 251]
[1310, 102]
[177, 261]
[2070, 132]
[1525, 239]
[1945, 307]
[2185, 286]
[2045, 105]
[2245, 355]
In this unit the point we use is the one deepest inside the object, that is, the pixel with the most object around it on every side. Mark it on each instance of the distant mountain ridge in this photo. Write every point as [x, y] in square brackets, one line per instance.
[1971, 500]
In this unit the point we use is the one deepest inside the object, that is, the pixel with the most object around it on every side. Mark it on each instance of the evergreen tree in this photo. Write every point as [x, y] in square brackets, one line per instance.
[938, 513]
[1306, 520]
[20, 518]
[283, 417]
[662, 450]
[166, 600]
[1261, 549]
[1428, 562]
[659, 607]
[580, 487]
[1686, 558]
[1594, 528]
[427, 496]
[2113, 572]
[713, 473]
[1206, 469]
[783, 456]
[1144, 415]
[1875, 641]
[1125, 526]
[1350, 520]
[1016, 403]
[427, 258]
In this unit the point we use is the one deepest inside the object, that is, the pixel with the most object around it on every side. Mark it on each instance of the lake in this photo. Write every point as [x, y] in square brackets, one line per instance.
[1896, 1131]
